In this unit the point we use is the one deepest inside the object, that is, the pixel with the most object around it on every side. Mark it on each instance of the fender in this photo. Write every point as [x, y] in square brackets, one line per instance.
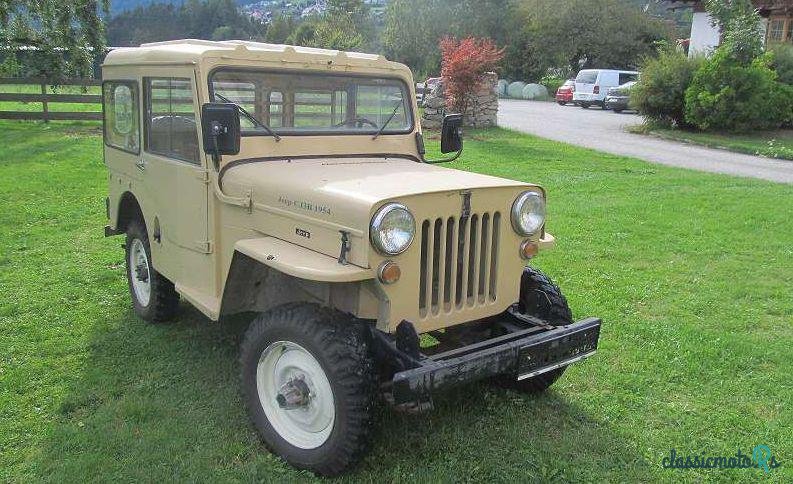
[267, 272]
[300, 262]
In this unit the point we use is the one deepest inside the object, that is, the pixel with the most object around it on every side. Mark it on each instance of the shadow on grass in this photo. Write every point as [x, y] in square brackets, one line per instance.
[158, 402]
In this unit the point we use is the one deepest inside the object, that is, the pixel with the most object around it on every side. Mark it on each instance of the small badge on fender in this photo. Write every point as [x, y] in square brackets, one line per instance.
[303, 233]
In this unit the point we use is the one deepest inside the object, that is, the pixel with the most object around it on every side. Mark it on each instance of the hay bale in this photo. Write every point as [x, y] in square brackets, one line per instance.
[515, 90]
[501, 88]
[535, 91]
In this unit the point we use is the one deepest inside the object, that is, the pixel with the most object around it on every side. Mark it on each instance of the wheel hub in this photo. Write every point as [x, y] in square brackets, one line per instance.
[294, 394]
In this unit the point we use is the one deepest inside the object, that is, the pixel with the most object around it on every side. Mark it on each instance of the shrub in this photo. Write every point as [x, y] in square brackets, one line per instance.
[659, 95]
[729, 95]
[783, 62]
[552, 83]
[463, 66]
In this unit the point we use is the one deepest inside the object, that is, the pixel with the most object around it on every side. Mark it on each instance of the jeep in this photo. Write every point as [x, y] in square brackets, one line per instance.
[293, 184]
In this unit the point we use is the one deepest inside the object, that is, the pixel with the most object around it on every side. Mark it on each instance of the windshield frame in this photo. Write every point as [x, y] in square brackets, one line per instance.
[289, 132]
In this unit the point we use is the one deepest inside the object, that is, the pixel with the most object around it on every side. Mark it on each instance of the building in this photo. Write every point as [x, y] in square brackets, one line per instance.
[777, 24]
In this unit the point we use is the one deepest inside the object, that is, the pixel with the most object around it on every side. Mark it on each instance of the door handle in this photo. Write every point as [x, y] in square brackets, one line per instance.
[141, 164]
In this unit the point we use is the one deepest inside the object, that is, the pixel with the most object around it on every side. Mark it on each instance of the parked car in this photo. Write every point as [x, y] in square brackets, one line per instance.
[565, 92]
[591, 85]
[618, 98]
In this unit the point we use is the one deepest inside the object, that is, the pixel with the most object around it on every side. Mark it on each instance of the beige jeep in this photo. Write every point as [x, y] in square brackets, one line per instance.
[292, 183]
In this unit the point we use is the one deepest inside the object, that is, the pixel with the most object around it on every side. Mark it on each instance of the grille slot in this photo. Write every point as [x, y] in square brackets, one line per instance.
[459, 263]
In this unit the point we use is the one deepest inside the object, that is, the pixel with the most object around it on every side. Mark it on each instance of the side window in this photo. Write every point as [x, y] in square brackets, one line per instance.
[626, 77]
[122, 125]
[170, 119]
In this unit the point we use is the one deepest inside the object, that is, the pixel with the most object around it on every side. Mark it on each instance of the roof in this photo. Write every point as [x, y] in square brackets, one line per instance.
[193, 51]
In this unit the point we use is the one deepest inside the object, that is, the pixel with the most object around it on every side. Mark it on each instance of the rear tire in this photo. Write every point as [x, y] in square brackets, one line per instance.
[585, 105]
[541, 298]
[330, 427]
[618, 111]
[154, 297]
[561, 103]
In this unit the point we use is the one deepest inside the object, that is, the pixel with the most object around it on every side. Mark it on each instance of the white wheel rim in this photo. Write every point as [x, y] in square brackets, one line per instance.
[140, 272]
[310, 425]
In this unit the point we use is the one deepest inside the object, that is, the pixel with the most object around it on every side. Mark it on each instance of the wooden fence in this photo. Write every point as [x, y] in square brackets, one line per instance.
[45, 97]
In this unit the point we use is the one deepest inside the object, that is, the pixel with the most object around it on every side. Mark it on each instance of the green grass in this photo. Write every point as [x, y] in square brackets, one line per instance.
[772, 144]
[691, 272]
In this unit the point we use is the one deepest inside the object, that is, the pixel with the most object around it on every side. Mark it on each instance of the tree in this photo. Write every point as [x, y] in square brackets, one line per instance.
[280, 29]
[575, 34]
[67, 34]
[346, 25]
[413, 28]
[740, 24]
[207, 19]
[465, 63]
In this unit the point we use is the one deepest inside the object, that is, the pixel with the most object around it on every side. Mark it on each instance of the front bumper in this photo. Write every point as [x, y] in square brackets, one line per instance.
[523, 354]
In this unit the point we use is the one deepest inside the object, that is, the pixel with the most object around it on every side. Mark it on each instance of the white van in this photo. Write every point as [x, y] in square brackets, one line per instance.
[591, 85]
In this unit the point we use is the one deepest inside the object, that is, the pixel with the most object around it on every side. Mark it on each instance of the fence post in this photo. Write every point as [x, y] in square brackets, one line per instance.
[45, 110]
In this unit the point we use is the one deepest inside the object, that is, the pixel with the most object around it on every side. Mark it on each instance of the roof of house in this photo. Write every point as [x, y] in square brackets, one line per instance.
[193, 51]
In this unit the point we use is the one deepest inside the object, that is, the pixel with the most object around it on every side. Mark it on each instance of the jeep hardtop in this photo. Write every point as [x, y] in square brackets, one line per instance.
[292, 183]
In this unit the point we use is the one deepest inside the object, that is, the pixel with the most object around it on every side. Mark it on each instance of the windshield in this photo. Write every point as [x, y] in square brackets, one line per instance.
[306, 103]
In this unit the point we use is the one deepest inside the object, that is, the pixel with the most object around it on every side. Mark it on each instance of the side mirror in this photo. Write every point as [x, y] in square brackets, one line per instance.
[451, 133]
[220, 125]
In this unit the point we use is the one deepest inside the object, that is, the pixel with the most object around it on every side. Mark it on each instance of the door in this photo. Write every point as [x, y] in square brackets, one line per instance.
[176, 176]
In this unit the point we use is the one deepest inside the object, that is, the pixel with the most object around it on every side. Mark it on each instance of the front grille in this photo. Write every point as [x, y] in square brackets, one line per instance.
[459, 263]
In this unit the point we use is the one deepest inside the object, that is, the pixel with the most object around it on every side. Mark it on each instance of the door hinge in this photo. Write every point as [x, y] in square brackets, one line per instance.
[204, 246]
[204, 177]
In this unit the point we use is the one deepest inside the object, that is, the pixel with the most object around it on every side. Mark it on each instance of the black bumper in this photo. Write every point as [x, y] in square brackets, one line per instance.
[523, 354]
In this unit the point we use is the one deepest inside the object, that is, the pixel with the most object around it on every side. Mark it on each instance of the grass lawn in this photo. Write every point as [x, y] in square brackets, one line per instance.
[691, 272]
[773, 144]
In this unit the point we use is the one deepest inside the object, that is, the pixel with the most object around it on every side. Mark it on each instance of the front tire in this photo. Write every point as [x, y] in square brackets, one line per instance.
[154, 297]
[309, 385]
[541, 298]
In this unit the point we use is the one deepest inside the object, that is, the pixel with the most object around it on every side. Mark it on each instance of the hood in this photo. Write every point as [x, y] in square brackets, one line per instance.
[345, 191]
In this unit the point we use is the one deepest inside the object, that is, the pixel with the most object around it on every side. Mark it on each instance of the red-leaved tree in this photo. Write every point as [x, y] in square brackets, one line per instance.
[463, 67]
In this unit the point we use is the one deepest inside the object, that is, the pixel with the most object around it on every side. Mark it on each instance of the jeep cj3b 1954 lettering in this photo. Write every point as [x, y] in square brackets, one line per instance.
[292, 183]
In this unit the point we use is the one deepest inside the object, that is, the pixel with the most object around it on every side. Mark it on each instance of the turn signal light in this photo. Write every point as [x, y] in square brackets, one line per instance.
[529, 249]
[389, 272]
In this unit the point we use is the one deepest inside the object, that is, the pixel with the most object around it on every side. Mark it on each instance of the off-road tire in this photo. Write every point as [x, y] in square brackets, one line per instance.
[164, 300]
[340, 345]
[541, 298]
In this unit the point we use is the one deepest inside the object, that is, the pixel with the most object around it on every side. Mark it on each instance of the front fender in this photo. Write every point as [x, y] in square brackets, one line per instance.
[300, 262]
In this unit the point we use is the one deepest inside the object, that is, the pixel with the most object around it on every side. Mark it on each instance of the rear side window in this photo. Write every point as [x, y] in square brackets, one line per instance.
[121, 115]
[587, 77]
[626, 77]
[170, 119]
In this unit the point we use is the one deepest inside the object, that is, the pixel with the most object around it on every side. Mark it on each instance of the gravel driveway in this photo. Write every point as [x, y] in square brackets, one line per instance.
[605, 131]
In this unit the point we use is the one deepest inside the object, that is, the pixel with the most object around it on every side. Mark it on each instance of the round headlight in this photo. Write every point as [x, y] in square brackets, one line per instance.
[392, 230]
[528, 213]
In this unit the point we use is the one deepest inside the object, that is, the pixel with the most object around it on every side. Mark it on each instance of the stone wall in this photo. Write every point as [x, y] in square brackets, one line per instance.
[482, 107]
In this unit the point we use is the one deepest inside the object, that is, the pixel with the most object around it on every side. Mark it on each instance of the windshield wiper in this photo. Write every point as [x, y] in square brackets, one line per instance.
[250, 117]
[382, 128]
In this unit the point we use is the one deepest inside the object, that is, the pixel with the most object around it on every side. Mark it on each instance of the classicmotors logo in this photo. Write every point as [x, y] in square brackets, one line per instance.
[760, 458]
